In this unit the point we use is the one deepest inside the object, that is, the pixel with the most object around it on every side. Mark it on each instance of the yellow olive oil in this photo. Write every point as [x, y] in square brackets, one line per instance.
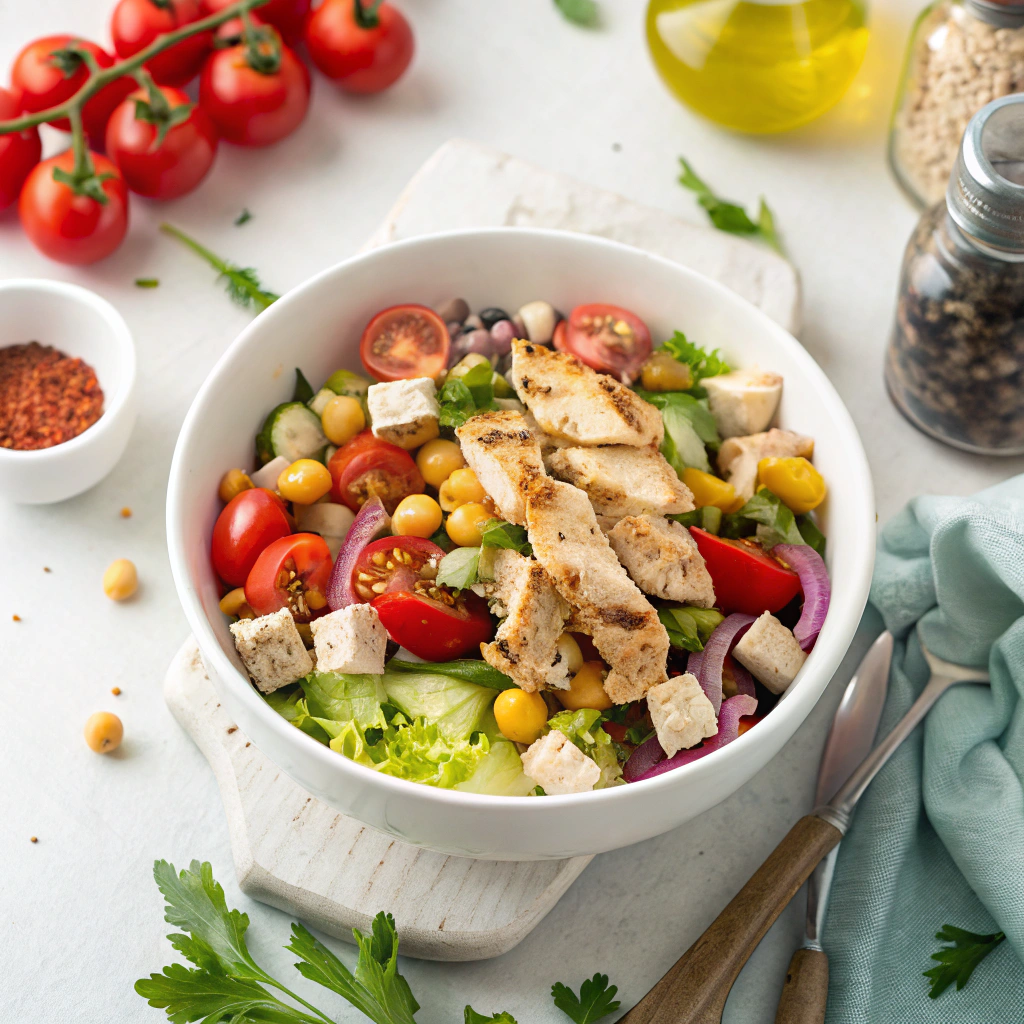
[757, 66]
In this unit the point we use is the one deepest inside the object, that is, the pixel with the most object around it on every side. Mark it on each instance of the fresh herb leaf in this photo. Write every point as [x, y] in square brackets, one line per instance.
[596, 999]
[466, 669]
[812, 536]
[456, 402]
[766, 516]
[728, 216]
[639, 733]
[303, 389]
[472, 1017]
[689, 628]
[496, 533]
[458, 569]
[958, 961]
[242, 283]
[694, 409]
[579, 12]
[147, 282]
[243, 218]
[701, 362]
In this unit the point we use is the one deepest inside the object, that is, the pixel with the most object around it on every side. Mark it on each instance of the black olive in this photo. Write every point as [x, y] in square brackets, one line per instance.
[492, 315]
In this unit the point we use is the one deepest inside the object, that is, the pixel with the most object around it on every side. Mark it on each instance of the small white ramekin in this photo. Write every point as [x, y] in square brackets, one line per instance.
[78, 323]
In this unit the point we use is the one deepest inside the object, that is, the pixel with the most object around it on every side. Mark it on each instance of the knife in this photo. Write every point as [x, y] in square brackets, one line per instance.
[849, 741]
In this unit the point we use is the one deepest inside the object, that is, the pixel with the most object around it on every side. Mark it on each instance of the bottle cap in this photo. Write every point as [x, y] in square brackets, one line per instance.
[1000, 13]
[985, 197]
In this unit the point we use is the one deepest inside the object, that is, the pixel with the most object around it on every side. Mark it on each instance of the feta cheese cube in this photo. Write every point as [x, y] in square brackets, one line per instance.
[404, 412]
[557, 765]
[351, 640]
[681, 712]
[744, 401]
[271, 650]
[770, 652]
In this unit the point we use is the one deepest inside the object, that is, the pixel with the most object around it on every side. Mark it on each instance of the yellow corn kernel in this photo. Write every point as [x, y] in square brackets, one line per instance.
[521, 716]
[710, 490]
[794, 481]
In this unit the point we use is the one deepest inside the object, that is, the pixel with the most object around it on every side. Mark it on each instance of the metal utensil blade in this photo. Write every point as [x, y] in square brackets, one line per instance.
[849, 741]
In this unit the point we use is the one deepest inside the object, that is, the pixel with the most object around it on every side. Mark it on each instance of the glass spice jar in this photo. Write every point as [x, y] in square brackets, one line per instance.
[962, 54]
[955, 364]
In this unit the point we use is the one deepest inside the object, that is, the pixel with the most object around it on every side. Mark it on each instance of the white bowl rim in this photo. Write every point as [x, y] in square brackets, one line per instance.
[112, 404]
[831, 651]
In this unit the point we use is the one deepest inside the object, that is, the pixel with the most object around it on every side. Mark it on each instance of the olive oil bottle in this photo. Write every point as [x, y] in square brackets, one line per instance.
[757, 65]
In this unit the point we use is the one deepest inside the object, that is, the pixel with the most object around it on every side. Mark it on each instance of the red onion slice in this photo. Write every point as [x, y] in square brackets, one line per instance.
[733, 710]
[643, 759]
[743, 680]
[370, 522]
[810, 567]
[712, 659]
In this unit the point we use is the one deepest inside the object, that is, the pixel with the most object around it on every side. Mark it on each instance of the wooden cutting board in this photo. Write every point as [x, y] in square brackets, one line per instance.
[296, 853]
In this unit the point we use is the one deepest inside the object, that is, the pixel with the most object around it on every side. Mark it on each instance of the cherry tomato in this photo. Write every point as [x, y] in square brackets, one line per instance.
[396, 563]
[362, 52]
[247, 524]
[367, 467]
[175, 166]
[252, 107]
[608, 339]
[617, 730]
[403, 342]
[46, 74]
[137, 23]
[18, 153]
[434, 630]
[287, 16]
[71, 228]
[291, 572]
[746, 578]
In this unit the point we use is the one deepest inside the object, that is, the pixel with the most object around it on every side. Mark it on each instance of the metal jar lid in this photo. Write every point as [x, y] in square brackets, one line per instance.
[1000, 13]
[985, 197]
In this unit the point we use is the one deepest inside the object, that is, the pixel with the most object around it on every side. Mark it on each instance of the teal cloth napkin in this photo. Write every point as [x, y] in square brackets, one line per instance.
[939, 836]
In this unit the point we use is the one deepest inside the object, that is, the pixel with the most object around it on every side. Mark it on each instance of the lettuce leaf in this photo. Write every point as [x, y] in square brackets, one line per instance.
[500, 773]
[339, 697]
[689, 628]
[456, 707]
[765, 516]
[701, 362]
[583, 729]
[497, 533]
[290, 704]
[458, 569]
[467, 669]
[418, 751]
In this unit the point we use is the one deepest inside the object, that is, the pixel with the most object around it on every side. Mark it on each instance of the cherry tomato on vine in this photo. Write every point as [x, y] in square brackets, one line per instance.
[18, 153]
[67, 222]
[48, 71]
[256, 92]
[287, 16]
[363, 46]
[137, 23]
[167, 167]
[608, 339]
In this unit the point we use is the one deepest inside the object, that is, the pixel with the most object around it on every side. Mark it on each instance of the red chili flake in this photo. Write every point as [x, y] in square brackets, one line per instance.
[46, 397]
[15, 618]
[33, 839]
[116, 691]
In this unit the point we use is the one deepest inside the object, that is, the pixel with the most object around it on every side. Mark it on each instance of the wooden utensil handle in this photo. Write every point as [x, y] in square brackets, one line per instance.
[806, 990]
[695, 989]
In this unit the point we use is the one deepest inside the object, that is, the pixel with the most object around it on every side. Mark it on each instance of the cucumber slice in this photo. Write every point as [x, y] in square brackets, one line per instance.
[345, 382]
[319, 401]
[291, 431]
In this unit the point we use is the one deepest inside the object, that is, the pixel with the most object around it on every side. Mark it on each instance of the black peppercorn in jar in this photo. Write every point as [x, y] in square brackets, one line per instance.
[955, 365]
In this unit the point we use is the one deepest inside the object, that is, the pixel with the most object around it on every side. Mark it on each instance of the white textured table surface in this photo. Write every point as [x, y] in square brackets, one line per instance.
[79, 915]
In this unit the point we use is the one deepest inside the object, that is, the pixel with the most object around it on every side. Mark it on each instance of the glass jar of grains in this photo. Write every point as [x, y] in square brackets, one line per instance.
[955, 365]
[962, 54]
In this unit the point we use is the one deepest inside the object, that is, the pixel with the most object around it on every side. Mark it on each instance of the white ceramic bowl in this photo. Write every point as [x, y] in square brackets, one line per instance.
[317, 327]
[78, 323]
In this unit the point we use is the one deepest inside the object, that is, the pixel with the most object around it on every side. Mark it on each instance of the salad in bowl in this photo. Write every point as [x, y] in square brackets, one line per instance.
[524, 554]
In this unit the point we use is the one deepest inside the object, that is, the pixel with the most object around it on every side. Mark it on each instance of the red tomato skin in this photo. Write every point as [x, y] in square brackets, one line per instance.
[18, 153]
[70, 228]
[430, 632]
[573, 338]
[312, 559]
[39, 84]
[246, 525]
[746, 579]
[135, 24]
[365, 453]
[617, 730]
[250, 108]
[426, 365]
[181, 161]
[403, 577]
[287, 16]
[361, 60]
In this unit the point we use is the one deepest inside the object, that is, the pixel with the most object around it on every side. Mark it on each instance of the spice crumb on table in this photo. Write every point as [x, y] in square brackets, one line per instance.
[126, 512]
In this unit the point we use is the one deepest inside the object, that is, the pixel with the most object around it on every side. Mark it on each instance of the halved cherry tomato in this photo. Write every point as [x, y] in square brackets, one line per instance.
[293, 573]
[397, 564]
[746, 578]
[137, 23]
[434, 630]
[747, 722]
[247, 524]
[287, 16]
[19, 153]
[608, 339]
[367, 467]
[405, 341]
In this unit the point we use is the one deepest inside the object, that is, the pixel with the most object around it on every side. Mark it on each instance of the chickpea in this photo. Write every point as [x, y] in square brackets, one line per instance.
[438, 459]
[586, 690]
[342, 419]
[461, 487]
[120, 580]
[521, 716]
[417, 515]
[103, 732]
[466, 522]
[304, 482]
[234, 603]
[232, 483]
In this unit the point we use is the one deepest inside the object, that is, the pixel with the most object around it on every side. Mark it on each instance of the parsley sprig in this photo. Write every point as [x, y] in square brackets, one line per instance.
[596, 999]
[580, 12]
[958, 961]
[728, 216]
